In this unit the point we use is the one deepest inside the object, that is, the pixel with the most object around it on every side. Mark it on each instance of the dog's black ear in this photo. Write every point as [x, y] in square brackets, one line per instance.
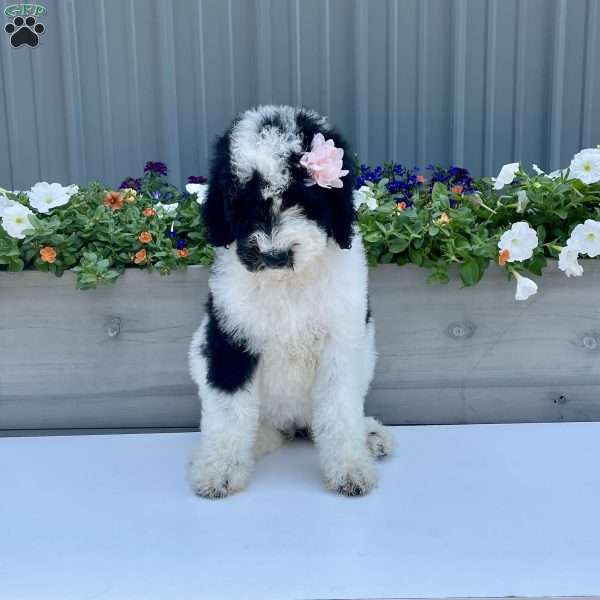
[216, 211]
[343, 214]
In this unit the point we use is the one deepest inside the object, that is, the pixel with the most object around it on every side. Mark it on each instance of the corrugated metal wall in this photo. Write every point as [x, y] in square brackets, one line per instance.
[479, 83]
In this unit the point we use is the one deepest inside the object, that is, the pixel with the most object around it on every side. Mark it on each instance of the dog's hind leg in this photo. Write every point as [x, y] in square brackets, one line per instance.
[268, 439]
[380, 440]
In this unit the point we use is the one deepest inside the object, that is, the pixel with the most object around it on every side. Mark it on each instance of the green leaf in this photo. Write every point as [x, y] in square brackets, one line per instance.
[470, 272]
[536, 264]
[15, 264]
[399, 244]
[541, 232]
[439, 193]
[373, 237]
[416, 256]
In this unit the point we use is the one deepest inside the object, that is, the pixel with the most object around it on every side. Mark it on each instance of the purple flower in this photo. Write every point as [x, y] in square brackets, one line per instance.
[156, 195]
[398, 186]
[172, 233]
[368, 174]
[132, 183]
[452, 176]
[155, 167]
[197, 179]
[180, 244]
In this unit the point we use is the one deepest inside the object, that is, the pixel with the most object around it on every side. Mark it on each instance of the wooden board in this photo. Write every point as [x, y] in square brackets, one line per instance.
[116, 356]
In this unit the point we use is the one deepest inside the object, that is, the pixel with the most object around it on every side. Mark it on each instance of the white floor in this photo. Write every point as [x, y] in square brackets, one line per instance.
[492, 510]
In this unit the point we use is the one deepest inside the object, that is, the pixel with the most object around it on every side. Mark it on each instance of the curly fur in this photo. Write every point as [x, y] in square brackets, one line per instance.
[287, 342]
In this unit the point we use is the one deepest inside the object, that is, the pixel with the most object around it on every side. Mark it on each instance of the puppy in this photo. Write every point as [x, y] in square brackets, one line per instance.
[287, 343]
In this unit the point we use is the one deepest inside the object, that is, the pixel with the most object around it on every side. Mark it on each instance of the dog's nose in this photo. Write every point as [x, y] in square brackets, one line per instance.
[277, 259]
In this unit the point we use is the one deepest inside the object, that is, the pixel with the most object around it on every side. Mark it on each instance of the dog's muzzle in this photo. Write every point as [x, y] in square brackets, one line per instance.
[255, 260]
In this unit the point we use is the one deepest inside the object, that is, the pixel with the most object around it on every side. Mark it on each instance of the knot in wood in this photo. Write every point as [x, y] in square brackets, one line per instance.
[113, 327]
[461, 330]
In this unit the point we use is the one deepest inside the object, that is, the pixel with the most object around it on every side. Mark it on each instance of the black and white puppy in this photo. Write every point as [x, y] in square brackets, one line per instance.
[287, 343]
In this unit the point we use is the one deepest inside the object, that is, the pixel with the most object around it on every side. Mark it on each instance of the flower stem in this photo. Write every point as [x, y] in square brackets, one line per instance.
[483, 205]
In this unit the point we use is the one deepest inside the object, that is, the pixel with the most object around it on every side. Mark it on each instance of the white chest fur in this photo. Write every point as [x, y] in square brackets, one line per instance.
[286, 317]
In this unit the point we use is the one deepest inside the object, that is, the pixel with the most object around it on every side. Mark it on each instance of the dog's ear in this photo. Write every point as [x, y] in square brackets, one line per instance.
[215, 215]
[216, 210]
[343, 213]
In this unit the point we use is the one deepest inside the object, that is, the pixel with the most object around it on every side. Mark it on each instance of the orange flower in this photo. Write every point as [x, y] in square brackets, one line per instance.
[503, 257]
[420, 178]
[149, 212]
[444, 219]
[457, 189]
[48, 254]
[183, 253]
[145, 237]
[400, 206]
[113, 200]
[140, 257]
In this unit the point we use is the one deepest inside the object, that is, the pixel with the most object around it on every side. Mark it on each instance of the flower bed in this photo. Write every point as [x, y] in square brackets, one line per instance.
[446, 357]
[434, 219]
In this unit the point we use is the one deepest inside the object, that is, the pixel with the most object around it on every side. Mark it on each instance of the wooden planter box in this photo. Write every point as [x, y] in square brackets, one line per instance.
[117, 356]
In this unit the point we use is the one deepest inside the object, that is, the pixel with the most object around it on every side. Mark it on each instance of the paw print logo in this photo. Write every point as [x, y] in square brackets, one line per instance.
[24, 31]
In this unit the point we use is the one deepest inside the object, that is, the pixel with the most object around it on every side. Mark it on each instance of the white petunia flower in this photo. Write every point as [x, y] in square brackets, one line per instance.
[525, 287]
[585, 238]
[520, 241]
[199, 189]
[567, 262]
[537, 169]
[557, 174]
[506, 175]
[15, 220]
[364, 195]
[170, 209]
[5, 203]
[522, 201]
[585, 166]
[44, 196]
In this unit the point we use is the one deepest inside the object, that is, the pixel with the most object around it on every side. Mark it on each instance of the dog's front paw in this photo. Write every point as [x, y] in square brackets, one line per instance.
[211, 479]
[356, 479]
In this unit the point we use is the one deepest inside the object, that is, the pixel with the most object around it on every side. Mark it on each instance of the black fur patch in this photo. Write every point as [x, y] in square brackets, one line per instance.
[230, 364]
[273, 121]
[332, 209]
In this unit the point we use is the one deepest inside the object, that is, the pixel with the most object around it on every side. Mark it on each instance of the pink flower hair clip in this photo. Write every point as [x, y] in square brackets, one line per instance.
[324, 163]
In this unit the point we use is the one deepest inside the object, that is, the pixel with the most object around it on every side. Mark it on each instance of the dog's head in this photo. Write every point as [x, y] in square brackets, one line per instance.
[259, 198]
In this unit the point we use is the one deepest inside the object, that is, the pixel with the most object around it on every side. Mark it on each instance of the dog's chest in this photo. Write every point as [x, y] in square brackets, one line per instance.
[295, 329]
[288, 317]
[286, 374]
